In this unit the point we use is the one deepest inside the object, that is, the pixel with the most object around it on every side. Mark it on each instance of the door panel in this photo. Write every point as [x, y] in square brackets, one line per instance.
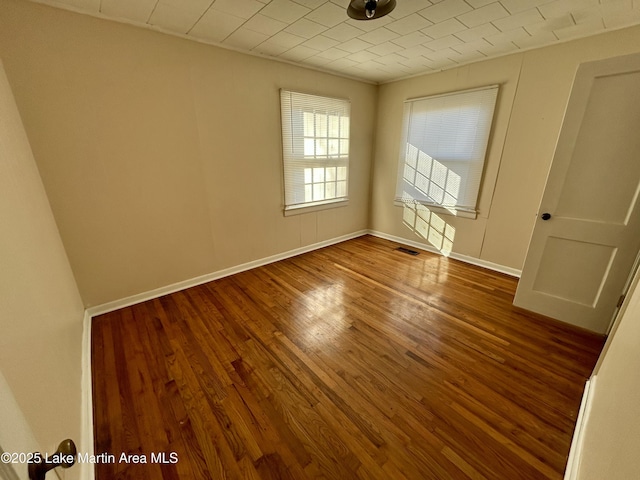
[602, 153]
[579, 259]
[565, 262]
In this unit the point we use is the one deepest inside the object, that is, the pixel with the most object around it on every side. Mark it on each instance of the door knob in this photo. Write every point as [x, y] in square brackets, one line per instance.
[64, 457]
[546, 216]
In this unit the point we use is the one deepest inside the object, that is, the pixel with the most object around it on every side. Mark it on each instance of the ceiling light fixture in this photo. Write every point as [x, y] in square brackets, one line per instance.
[370, 9]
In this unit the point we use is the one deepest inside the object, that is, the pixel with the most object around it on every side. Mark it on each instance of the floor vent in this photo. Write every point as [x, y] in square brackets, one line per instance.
[408, 251]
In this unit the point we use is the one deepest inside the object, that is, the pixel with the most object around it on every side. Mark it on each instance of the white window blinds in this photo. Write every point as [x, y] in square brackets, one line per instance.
[443, 148]
[315, 145]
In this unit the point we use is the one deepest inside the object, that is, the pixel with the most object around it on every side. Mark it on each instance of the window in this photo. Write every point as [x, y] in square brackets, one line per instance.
[443, 149]
[315, 145]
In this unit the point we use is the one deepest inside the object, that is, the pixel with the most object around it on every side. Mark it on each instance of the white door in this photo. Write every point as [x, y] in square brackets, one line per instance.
[580, 257]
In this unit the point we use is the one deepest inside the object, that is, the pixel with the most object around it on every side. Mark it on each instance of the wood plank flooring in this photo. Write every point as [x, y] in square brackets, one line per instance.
[355, 361]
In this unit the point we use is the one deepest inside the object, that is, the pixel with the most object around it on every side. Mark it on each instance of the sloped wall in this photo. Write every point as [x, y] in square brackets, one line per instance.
[41, 312]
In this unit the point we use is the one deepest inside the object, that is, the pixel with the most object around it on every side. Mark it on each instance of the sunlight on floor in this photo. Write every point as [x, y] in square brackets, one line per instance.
[426, 224]
[325, 302]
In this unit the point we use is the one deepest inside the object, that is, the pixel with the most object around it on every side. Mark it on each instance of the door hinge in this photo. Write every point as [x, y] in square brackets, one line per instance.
[620, 300]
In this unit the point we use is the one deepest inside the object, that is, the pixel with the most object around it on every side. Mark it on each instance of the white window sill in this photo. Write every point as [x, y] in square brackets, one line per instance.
[442, 210]
[315, 207]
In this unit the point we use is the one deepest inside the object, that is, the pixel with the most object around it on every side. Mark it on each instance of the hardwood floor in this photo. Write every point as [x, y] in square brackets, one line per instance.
[353, 361]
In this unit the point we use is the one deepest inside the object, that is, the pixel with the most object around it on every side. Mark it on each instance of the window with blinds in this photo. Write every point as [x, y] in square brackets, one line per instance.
[315, 145]
[443, 149]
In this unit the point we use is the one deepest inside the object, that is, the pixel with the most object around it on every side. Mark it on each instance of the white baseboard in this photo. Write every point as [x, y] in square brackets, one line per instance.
[87, 469]
[192, 282]
[87, 405]
[575, 453]
[456, 256]
[175, 287]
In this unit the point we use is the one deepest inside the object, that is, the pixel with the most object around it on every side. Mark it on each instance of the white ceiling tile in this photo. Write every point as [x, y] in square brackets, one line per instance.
[508, 36]
[305, 28]
[363, 56]
[215, 25]
[444, 42]
[245, 38]
[387, 69]
[416, 51]
[561, 7]
[191, 5]
[286, 39]
[476, 33]
[448, 27]
[471, 57]
[369, 65]
[443, 53]
[622, 20]
[333, 53]
[407, 7]
[299, 52]
[385, 48]
[577, 31]
[594, 12]
[392, 65]
[485, 14]
[540, 37]
[479, 3]
[522, 19]
[342, 64]
[442, 64]
[497, 50]
[415, 62]
[378, 36]
[284, 10]
[408, 24]
[317, 61]
[343, 32]
[92, 6]
[173, 18]
[445, 10]
[515, 6]
[415, 38]
[239, 8]
[265, 25]
[551, 25]
[354, 45]
[328, 15]
[271, 49]
[321, 43]
[390, 59]
[310, 3]
[320, 31]
[466, 48]
[139, 11]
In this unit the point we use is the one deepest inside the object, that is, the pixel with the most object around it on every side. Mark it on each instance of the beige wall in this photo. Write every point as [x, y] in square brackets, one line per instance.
[161, 157]
[535, 88]
[612, 427]
[41, 311]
